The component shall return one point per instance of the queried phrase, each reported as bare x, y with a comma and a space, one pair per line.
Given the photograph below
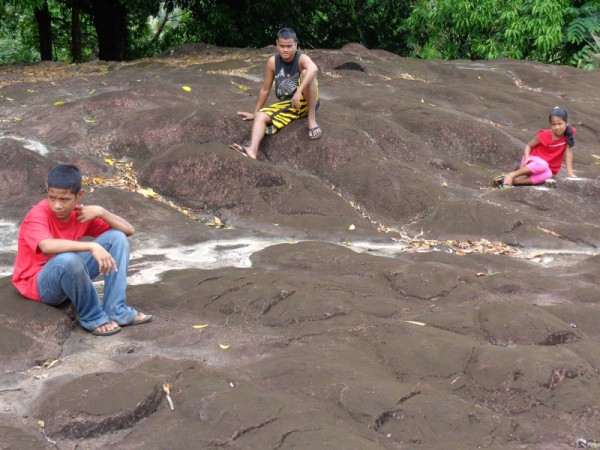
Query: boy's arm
309, 71
106, 263
569, 159
89, 212
265, 89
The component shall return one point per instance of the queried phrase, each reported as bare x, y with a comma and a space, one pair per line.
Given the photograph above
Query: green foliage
582, 34
18, 35
552, 31
588, 57
487, 29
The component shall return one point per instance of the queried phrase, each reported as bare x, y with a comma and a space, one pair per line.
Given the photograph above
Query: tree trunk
44, 23
110, 21
75, 34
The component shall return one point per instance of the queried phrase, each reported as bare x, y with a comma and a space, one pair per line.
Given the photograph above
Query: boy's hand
246, 115
106, 263
296, 100
85, 213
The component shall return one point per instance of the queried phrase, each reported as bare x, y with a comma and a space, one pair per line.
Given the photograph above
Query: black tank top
287, 76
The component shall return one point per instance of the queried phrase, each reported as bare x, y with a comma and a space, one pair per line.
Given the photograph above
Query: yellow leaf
30, 90
352, 227
41, 423
17, 118
239, 86
347, 243
551, 233
58, 103
146, 192
200, 326
186, 88
533, 255
89, 120
218, 222
50, 365
110, 162
93, 91
224, 346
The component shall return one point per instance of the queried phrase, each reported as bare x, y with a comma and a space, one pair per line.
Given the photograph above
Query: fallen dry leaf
148, 193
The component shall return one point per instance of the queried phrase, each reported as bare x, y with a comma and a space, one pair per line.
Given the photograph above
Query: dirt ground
368, 290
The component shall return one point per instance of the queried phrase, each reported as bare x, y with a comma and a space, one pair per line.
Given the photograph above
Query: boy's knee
115, 237
261, 117
71, 262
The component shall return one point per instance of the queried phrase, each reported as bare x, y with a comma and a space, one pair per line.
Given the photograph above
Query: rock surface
368, 290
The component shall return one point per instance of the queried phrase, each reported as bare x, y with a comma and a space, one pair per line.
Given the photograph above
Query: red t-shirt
40, 223
550, 150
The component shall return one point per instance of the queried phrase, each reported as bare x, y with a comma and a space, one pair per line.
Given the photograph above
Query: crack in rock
243, 431
386, 416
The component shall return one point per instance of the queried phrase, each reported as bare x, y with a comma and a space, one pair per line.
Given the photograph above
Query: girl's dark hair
557, 111
65, 176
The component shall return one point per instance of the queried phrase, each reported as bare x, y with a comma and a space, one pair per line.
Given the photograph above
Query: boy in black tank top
295, 77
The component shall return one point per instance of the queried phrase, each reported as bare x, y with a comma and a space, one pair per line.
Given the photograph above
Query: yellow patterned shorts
282, 113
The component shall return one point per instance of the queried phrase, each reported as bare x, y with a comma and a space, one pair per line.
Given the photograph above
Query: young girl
543, 155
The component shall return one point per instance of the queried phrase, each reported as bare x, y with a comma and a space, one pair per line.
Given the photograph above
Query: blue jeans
69, 276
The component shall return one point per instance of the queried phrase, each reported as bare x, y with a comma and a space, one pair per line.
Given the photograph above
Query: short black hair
287, 33
65, 176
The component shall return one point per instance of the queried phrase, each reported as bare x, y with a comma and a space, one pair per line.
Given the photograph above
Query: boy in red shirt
54, 265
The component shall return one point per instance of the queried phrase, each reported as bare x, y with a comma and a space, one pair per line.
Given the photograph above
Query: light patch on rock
30, 144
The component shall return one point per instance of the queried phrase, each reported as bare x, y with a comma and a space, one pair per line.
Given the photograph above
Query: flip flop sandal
312, 132
146, 319
238, 148
105, 333
499, 180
